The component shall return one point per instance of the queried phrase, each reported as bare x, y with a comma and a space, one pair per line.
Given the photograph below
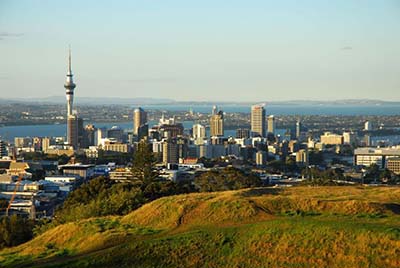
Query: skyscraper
170, 151
298, 129
72, 119
3, 148
258, 120
242, 133
214, 110
140, 127
199, 131
89, 135
217, 123
271, 124
367, 126
72, 130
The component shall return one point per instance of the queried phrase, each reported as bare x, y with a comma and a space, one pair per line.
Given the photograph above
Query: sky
208, 50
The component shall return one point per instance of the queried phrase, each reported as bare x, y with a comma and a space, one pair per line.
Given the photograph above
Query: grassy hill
263, 227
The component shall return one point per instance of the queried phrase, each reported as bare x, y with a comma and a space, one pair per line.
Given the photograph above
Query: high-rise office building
349, 138
89, 136
45, 144
171, 131
140, 126
214, 110
22, 142
258, 121
367, 126
242, 133
3, 148
298, 129
271, 124
116, 133
100, 134
37, 144
182, 147
81, 132
72, 130
170, 151
217, 123
199, 131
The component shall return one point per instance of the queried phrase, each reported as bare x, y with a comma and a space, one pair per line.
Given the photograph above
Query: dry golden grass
283, 242
251, 205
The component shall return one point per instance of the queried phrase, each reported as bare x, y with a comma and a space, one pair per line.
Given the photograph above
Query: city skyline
202, 51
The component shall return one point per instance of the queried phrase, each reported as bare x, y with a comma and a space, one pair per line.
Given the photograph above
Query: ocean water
8, 133
290, 109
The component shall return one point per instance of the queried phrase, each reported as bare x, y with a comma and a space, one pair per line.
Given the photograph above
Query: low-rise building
83, 171
261, 158
121, 175
393, 164
331, 139
302, 158
116, 147
367, 156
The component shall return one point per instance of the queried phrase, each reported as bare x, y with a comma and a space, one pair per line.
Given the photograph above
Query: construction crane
14, 194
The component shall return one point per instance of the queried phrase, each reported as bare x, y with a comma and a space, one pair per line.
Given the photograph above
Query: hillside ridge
200, 215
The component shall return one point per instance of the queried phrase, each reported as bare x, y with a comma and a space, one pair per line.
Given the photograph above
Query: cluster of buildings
178, 152
255, 144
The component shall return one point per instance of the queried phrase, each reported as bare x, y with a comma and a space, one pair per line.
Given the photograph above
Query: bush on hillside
227, 179
15, 230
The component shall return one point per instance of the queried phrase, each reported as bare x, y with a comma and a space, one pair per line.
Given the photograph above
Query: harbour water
290, 109
8, 133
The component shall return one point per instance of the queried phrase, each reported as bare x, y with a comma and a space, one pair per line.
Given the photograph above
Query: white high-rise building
349, 138
199, 131
368, 126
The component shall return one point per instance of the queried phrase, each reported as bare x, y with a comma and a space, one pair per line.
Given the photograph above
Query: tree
373, 172
316, 158
143, 166
276, 165
15, 230
100, 197
388, 177
3, 204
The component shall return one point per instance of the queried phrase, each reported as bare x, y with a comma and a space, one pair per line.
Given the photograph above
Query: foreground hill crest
246, 228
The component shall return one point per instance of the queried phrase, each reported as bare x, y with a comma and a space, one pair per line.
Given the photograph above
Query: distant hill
263, 227
92, 100
164, 101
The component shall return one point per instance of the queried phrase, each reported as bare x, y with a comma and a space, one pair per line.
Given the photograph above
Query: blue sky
202, 50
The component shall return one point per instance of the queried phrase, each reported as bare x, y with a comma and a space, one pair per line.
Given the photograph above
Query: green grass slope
263, 227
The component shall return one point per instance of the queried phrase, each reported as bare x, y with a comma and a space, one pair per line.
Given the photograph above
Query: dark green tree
3, 204
143, 166
373, 172
226, 179
15, 230
316, 158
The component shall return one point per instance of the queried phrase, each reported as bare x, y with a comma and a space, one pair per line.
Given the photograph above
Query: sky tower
69, 86
74, 123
